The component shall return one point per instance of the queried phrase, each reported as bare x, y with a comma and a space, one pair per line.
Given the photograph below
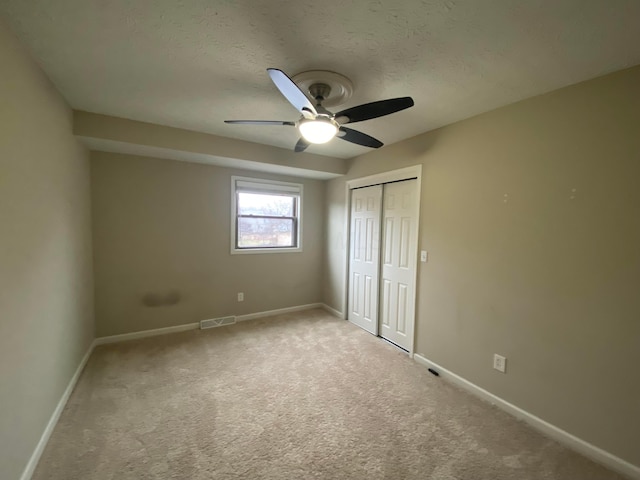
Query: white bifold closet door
398, 263
364, 257
383, 260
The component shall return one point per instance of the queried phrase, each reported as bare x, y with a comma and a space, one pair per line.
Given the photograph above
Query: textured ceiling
192, 64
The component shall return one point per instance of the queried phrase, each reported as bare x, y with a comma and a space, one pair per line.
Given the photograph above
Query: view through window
266, 220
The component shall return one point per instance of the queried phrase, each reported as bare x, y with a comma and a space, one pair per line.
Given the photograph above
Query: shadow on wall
378, 161
421, 144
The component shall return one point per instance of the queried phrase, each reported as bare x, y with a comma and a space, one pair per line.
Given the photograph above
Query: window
265, 216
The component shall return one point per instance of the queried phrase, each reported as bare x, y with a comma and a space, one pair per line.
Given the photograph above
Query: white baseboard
146, 333
585, 448
279, 311
193, 326
37, 453
333, 311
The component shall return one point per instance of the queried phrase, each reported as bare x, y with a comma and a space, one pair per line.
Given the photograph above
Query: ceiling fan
319, 125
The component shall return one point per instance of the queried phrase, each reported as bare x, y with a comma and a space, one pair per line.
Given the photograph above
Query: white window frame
259, 185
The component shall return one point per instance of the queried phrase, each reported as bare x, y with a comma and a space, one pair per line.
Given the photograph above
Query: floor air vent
217, 322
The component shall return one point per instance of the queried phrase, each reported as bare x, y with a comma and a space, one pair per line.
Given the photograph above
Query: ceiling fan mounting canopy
317, 124
339, 91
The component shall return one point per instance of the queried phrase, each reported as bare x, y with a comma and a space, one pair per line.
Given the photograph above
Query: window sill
244, 251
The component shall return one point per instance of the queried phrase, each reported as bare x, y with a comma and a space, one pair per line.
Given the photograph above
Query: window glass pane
265, 204
265, 232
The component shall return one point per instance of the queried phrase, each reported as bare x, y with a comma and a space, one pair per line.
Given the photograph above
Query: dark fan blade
301, 146
359, 138
291, 91
259, 122
375, 109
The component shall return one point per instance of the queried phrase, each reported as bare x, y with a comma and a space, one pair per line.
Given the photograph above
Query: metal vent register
217, 322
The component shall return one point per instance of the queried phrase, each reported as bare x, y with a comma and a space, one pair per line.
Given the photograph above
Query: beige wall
163, 226
551, 277
46, 311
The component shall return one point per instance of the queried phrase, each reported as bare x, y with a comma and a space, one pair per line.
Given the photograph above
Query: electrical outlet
240, 297
500, 363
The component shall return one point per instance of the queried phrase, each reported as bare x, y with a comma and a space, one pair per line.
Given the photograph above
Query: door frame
398, 175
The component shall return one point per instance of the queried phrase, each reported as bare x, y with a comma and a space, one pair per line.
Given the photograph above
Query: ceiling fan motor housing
320, 91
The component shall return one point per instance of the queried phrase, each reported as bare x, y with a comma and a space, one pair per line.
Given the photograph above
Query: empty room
331, 240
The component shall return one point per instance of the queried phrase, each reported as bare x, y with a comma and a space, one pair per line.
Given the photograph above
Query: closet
382, 259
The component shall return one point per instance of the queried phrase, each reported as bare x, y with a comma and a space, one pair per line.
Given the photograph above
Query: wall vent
217, 322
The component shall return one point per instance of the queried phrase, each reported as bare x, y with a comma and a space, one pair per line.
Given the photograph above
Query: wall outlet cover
500, 363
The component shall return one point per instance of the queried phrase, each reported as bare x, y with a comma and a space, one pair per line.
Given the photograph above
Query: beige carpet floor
298, 396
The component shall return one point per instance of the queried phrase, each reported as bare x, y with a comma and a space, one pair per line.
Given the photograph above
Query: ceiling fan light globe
318, 130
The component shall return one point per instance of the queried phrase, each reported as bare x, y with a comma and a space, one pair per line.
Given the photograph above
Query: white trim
146, 333
253, 251
400, 174
194, 326
279, 311
581, 446
42, 443
333, 311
